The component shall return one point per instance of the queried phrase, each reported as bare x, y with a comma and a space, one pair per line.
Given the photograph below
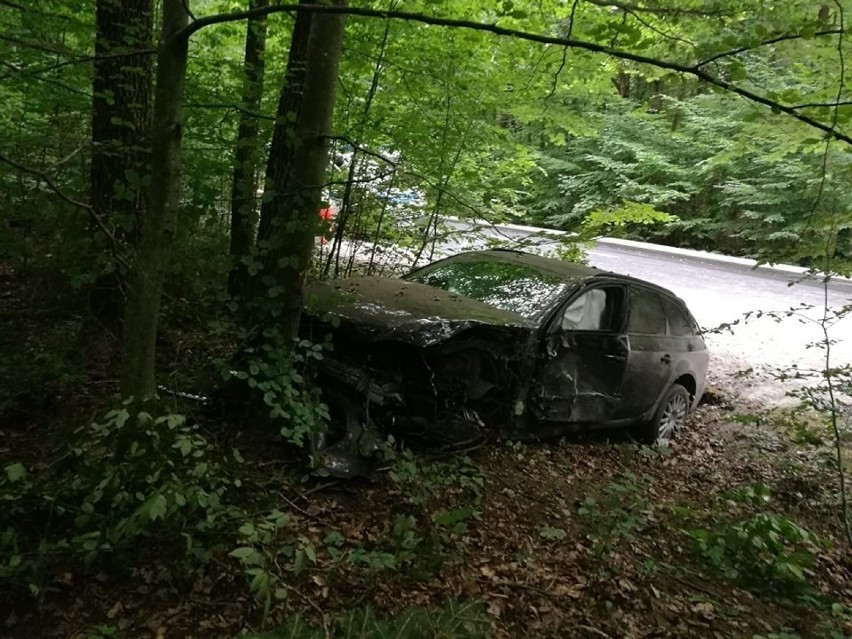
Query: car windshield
504, 285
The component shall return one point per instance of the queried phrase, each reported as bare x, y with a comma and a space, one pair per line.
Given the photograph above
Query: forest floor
732, 532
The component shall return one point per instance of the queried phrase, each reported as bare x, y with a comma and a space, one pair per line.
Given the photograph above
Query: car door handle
618, 358
666, 359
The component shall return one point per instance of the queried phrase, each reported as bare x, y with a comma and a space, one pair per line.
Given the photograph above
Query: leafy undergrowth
731, 533
451, 621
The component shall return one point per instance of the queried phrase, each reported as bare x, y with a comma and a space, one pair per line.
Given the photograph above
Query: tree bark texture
247, 152
121, 96
121, 122
284, 134
297, 178
157, 229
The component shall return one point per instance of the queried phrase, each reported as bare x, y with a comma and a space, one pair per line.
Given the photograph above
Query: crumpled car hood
383, 308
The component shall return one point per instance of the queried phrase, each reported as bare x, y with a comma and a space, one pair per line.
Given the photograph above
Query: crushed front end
444, 381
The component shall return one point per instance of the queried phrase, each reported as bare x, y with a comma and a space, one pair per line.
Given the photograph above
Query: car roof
569, 271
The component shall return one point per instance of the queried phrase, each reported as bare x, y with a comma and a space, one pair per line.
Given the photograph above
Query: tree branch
367, 180
555, 83
74, 59
40, 46
99, 221
816, 105
763, 43
61, 85
362, 149
695, 70
631, 7
85, 59
657, 30
231, 107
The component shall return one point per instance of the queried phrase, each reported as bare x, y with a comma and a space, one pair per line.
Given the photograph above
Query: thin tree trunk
378, 230
157, 229
343, 216
246, 155
834, 408
342, 220
292, 210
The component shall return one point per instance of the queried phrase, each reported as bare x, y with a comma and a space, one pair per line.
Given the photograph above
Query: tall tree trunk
121, 97
157, 229
290, 102
296, 179
243, 198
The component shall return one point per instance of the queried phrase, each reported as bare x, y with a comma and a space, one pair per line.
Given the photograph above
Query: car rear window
646, 312
679, 323
504, 285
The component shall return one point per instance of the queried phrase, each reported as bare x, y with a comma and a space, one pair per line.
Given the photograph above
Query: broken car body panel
498, 341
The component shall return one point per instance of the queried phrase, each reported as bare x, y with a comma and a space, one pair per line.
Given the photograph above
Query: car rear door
691, 356
651, 353
585, 355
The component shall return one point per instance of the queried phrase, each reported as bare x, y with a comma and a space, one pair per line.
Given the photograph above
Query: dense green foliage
732, 184
481, 125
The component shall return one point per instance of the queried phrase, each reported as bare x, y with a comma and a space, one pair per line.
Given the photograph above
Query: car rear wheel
670, 416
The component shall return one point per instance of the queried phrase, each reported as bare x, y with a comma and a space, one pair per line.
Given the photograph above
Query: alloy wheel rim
672, 417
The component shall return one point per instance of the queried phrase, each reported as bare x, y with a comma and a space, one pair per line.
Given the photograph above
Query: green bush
766, 550
123, 478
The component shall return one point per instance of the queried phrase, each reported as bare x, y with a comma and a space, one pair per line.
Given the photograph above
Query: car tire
669, 417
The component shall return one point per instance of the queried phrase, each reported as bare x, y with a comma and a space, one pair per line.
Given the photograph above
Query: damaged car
502, 342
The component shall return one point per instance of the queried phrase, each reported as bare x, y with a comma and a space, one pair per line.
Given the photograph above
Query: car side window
646, 312
598, 309
679, 323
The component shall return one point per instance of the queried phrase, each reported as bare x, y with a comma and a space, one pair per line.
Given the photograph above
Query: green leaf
551, 533
260, 583
121, 417
300, 561
334, 538
184, 445
15, 472
454, 516
158, 508
246, 554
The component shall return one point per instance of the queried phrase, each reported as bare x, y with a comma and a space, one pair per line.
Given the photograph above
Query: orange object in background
326, 215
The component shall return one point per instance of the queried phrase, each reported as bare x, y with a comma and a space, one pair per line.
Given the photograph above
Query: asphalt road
718, 289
